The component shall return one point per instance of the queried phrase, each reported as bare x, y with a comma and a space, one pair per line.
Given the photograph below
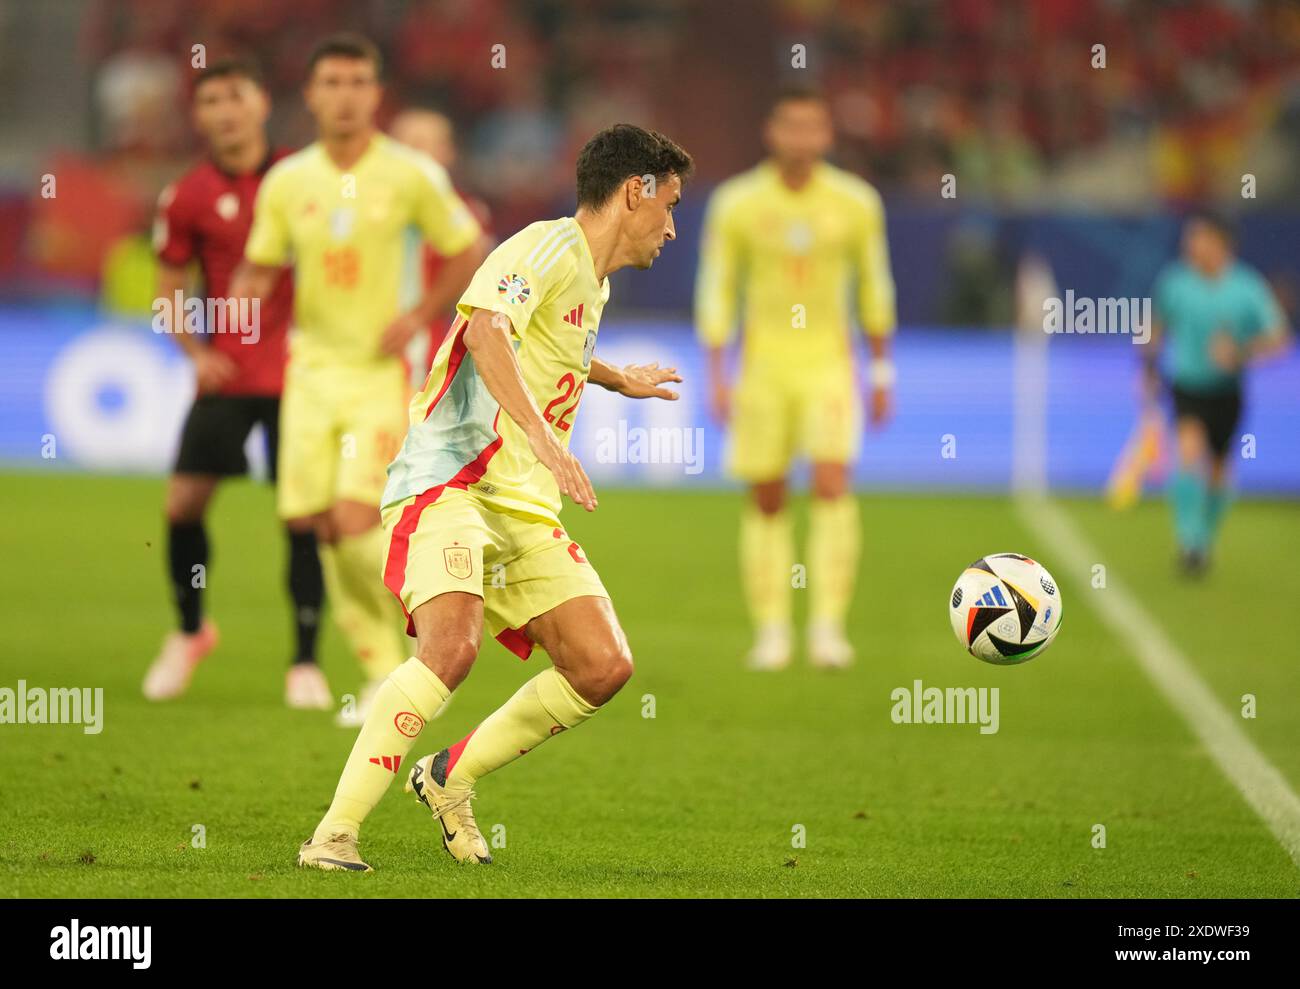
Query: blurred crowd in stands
1011, 97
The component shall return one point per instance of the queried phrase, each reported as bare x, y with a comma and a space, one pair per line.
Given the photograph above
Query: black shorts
217, 428
1218, 411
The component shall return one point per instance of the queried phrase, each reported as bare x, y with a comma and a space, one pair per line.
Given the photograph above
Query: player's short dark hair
796, 92
1222, 224
620, 152
229, 67
346, 44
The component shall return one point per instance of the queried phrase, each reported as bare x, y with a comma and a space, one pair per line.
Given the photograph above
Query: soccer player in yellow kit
788, 237
337, 211
473, 500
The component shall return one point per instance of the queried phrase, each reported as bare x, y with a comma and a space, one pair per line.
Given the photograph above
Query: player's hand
563, 465
643, 381
213, 369
720, 402
1225, 352
880, 406
399, 334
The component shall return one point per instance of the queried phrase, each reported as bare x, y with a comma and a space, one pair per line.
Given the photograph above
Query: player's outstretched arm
487, 338
635, 380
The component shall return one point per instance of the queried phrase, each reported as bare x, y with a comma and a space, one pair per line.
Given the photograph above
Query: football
1005, 608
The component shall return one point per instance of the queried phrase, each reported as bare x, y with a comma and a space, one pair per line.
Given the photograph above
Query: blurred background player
432, 134
205, 216
1219, 315
788, 236
338, 211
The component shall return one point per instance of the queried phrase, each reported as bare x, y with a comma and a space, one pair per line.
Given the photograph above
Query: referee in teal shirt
1214, 315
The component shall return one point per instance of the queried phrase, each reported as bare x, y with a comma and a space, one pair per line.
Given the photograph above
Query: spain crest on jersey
514, 288
459, 563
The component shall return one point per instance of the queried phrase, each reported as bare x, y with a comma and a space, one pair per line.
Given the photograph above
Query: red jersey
206, 214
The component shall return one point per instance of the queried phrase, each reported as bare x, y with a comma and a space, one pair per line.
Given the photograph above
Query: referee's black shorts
217, 428
1218, 411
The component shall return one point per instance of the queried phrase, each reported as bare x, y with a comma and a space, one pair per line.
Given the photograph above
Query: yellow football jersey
792, 256
344, 234
543, 279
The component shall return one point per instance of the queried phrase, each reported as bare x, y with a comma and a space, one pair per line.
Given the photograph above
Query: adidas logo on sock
390, 762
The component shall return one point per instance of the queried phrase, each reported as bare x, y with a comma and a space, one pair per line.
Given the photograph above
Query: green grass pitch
704, 798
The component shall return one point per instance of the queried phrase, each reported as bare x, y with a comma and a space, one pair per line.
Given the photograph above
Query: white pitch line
1260, 782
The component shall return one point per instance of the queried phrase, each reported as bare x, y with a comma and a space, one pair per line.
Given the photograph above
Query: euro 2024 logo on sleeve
514, 287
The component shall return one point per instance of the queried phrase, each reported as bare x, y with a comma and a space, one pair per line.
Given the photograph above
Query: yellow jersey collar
591, 259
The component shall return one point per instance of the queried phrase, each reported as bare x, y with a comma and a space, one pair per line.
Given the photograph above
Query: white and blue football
1005, 608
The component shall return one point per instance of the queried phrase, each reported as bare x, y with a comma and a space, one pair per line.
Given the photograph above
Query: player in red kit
205, 217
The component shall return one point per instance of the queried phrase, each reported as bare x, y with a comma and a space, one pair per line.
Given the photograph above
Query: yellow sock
410, 696
833, 546
766, 564
363, 607
546, 705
